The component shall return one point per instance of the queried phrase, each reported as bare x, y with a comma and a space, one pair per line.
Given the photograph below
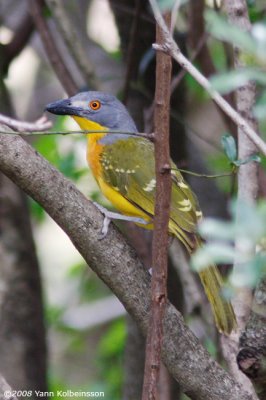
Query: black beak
63, 107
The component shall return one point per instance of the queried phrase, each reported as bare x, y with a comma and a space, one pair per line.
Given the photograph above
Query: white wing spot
199, 214
182, 185
150, 186
186, 203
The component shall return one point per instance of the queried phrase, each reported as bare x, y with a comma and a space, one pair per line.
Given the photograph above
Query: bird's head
95, 110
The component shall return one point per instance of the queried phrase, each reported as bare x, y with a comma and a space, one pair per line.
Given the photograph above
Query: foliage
247, 230
230, 149
111, 350
253, 47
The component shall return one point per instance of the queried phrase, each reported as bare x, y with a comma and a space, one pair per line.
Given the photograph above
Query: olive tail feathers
222, 309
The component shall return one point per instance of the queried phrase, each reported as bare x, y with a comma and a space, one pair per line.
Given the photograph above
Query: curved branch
118, 266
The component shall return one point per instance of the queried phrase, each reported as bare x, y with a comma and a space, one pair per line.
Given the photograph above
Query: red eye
95, 105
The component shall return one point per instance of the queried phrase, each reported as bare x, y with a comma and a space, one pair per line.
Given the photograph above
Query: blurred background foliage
86, 335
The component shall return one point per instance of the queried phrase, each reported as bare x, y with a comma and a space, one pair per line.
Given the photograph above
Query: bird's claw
109, 215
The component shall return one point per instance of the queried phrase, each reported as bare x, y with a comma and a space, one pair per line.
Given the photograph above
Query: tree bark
22, 337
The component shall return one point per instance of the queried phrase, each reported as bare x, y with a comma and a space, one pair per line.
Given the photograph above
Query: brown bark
161, 220
251, 357
22, 333
22, 339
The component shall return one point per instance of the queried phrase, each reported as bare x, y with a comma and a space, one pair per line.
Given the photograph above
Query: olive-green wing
129, 167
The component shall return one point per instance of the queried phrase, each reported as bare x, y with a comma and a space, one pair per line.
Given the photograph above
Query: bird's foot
109, 215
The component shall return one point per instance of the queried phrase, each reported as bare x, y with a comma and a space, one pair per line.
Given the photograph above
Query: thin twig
63, 74
161, 220
20, 126
171, 47
223, 175
15, 124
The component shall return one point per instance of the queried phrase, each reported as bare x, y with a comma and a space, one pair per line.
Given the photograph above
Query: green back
129, 167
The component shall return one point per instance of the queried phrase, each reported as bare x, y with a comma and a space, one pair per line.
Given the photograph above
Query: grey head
102, 108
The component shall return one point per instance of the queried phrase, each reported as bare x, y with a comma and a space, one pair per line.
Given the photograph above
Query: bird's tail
222, 309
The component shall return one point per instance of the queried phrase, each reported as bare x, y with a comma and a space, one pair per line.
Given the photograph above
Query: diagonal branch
63, 74
172, 48
118, 266
73, 43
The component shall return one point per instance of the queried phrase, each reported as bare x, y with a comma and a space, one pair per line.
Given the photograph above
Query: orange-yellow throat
94, 148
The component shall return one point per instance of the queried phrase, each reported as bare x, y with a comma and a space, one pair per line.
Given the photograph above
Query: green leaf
212, 253
260, 108
254, 157
229, 146
248, 273
166, 5
231, 80
211, 228
220, 28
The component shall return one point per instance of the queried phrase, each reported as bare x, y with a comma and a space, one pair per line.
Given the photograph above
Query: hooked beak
63, 107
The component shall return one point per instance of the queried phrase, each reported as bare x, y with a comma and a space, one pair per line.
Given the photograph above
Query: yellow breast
94, 148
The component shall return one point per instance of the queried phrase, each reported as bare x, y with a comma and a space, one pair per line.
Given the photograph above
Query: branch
40, 125
118, 266
171, 47
247, 182
63, 74
73, 42
161, 220
251, 358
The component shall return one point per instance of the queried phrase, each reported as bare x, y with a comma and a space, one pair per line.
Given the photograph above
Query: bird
123, 165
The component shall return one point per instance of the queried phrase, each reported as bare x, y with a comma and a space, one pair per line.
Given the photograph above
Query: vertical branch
245, 96
160, 235
247, 177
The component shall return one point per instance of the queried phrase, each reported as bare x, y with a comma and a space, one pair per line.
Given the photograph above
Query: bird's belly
122, 204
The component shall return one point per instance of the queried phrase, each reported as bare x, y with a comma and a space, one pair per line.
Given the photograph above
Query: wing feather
129, 167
